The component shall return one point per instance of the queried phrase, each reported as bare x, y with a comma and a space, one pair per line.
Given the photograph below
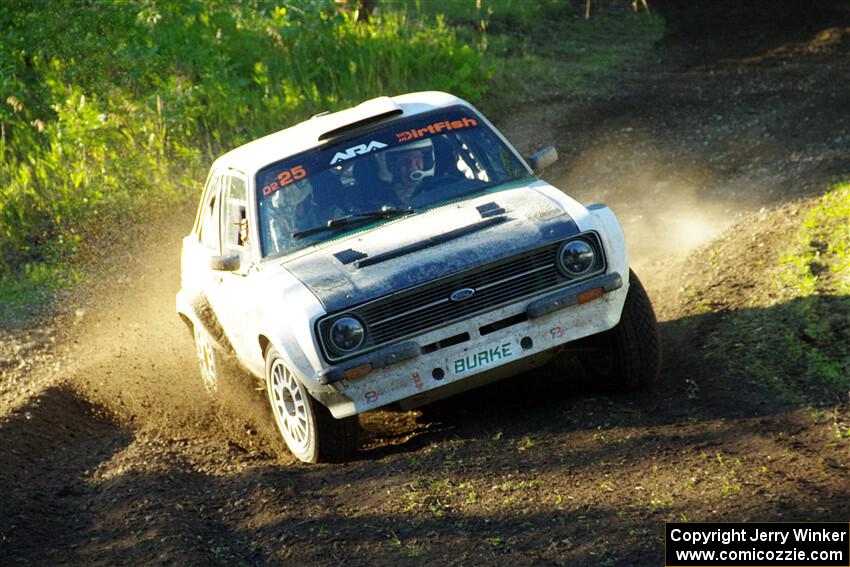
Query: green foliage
820, 256
110, 108
796, 338
546, 49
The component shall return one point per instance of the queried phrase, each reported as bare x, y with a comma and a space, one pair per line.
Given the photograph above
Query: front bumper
469, 353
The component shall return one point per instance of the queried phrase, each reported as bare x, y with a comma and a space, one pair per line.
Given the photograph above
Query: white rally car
399, 252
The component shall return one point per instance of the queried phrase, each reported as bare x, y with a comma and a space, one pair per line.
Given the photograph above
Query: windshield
407, 165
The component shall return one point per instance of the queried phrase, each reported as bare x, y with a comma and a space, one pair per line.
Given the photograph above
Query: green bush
111, 107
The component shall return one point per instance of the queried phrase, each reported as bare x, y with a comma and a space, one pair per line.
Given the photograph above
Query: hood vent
349, 256
490, 209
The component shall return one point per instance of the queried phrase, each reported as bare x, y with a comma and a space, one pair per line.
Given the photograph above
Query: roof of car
305, 135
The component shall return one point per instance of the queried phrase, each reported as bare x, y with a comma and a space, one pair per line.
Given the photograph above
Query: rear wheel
309, 430
208, 359
627, 356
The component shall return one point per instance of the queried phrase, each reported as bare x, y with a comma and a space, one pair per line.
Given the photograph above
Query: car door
230, 296
203, 243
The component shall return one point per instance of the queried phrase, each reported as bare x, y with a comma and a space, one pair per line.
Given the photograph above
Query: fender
288, 315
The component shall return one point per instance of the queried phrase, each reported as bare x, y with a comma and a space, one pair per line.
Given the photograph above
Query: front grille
492, 288
427, 306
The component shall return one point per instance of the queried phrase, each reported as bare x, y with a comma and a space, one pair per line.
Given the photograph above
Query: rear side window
209, 215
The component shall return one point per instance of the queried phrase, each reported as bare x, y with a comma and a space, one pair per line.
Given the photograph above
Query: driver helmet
410, 163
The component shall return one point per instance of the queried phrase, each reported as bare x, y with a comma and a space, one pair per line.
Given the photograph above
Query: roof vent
362, 115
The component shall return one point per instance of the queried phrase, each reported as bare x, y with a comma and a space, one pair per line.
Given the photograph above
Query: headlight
346, 334
577, 257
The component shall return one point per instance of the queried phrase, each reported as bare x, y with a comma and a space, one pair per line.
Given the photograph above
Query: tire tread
636, 339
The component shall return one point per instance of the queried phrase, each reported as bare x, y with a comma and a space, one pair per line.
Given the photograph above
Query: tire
628, 356
209, 359
307, 427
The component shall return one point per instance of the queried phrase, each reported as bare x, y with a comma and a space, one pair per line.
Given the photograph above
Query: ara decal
357, 150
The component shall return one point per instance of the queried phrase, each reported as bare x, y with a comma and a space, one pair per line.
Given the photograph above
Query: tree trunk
364, 10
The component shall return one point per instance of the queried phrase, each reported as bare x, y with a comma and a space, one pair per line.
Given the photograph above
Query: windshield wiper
354, 218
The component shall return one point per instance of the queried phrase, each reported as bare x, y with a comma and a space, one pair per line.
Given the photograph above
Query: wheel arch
264, 343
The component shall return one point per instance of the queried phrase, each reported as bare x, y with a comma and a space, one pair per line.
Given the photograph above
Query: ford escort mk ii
399, 252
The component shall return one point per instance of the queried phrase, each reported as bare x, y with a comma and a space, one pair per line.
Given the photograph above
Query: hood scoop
490, 209
349, 256
432, 241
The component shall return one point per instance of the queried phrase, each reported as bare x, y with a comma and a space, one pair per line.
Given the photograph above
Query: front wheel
309, 430
627, 356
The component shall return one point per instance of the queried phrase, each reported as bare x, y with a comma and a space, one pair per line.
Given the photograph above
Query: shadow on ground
527, 471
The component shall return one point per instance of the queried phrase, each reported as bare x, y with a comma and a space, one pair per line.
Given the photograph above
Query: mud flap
206, 316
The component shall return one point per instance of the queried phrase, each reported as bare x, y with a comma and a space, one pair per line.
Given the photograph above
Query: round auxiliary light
576, 257
346, 334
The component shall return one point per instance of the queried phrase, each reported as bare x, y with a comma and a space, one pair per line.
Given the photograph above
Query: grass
438, 496
28, 296
546, 50
795, 338
163, 87
820, 256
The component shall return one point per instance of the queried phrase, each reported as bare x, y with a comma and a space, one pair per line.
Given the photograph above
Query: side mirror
228, 263
542, 159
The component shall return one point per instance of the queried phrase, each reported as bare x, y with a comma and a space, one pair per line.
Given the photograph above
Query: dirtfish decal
436, 128
357, 150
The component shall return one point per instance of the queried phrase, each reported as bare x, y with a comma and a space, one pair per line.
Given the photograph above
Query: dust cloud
129, 352
667, 210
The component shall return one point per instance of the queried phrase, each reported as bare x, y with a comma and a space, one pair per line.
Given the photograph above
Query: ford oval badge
462, 294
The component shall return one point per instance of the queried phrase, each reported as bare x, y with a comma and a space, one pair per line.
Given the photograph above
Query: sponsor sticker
482, 358
284, 178
372, 396
417, 381
357, 150
436, 128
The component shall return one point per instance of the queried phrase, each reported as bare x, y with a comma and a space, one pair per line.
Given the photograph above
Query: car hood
417, 249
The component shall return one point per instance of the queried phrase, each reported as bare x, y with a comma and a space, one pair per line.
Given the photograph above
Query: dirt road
114, 455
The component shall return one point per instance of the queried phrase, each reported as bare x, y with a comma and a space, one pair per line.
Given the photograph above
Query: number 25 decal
284, 178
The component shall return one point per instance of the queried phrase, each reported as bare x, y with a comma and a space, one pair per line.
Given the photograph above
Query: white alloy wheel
205, 350
293, 411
